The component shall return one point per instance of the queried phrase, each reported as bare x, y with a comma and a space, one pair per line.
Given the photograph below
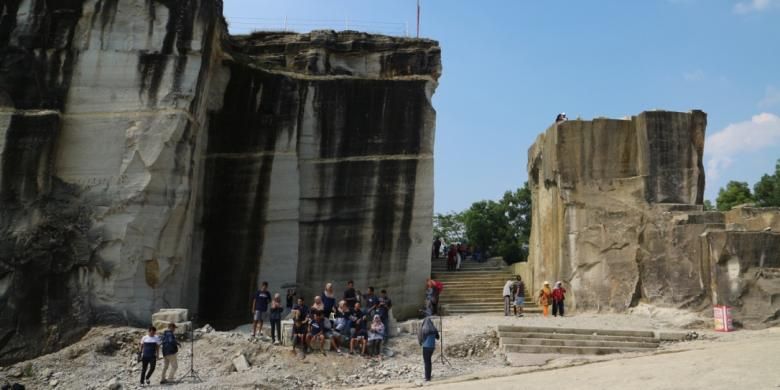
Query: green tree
708, 205
501, 228
735, 193
767, 190
449, 227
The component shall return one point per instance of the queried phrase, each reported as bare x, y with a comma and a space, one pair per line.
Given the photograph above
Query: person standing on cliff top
260, 308
558, 295
561, 118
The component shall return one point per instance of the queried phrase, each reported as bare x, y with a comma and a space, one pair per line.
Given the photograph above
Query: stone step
566, 336
577, 331
578, 343
470, 308
569, 350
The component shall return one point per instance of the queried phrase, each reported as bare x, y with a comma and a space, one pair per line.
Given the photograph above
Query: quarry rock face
149, 160
618, 217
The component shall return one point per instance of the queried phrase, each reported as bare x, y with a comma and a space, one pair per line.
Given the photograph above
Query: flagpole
418, 18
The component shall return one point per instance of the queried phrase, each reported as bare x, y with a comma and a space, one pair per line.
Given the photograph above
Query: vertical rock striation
617, 215
150, 160
325, 142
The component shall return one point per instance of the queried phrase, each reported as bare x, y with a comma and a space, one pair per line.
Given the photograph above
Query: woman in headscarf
545, 295
317, 305
376, 334
328, 300
427, 336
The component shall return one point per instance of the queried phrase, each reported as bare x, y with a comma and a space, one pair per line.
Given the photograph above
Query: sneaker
148, 382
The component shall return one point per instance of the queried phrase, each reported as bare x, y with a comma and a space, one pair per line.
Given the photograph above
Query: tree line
497, 228
766, 192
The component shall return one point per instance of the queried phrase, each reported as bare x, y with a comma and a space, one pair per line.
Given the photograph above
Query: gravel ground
105, 356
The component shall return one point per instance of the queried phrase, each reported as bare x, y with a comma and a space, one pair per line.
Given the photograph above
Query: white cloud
771, 98
744, 7
696, 75
760, 132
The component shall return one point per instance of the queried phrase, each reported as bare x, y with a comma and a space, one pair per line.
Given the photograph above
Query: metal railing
246, 25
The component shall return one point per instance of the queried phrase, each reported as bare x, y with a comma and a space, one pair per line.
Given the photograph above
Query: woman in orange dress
545, 296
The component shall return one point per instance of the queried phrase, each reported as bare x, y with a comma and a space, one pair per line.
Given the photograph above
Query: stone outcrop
618, 216
150, 160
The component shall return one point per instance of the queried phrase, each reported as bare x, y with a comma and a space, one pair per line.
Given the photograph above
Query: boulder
240, 363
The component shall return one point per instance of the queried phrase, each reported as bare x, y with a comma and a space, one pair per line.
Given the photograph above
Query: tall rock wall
148, 160
617, 217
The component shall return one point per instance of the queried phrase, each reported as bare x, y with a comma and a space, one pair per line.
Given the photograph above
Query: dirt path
743, 360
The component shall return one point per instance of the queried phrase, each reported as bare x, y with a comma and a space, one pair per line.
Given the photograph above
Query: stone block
171, 315
240, 363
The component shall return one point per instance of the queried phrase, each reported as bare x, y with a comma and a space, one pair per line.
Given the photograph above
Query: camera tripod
442, 358
192, 374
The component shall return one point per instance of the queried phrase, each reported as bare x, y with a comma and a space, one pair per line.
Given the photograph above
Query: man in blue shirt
260, 307
427, 336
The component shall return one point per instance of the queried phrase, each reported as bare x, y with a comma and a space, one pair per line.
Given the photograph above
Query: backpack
169, 344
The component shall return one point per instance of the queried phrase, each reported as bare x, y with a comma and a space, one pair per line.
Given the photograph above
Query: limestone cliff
148, 159
617, 216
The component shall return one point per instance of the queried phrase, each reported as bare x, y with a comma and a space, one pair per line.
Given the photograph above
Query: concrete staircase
476, 288
524, 339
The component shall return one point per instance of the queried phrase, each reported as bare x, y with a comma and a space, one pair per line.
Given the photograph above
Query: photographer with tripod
427, 336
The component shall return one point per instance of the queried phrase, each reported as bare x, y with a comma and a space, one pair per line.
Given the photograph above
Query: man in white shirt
149, 350
508, 296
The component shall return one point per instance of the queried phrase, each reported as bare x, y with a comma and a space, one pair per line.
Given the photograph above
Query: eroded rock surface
617, 215
150, 160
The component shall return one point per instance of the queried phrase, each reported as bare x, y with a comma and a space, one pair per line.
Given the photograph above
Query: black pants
427, 353
149, 363
557, 308
276, 330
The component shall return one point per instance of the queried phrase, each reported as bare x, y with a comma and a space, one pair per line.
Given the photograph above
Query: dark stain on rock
26, 159
37, 70
242, 138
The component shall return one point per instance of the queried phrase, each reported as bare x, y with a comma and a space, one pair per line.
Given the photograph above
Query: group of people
150, 348
514, 292
455, 253
556, 296
359, 321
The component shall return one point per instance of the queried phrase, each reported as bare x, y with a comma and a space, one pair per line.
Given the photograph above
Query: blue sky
511, 66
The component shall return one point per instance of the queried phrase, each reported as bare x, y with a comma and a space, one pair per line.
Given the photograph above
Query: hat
546, 282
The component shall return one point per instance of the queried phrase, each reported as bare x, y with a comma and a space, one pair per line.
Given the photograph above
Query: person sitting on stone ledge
342, 326
317, 305
302, 309
359, 334
375, 336
383, 309
299, 333
316, 331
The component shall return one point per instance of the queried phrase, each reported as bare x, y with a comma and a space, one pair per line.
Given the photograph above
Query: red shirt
558, 294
